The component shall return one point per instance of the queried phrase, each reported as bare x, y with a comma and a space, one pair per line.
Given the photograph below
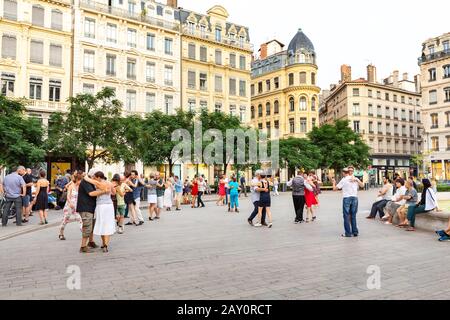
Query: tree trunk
90, 163
170, 167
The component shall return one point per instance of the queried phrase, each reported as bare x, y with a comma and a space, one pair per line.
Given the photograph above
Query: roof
300, 42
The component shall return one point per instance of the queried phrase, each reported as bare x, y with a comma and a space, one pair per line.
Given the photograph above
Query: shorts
152, 199
26, 200
88, 224
121, 210
160, 202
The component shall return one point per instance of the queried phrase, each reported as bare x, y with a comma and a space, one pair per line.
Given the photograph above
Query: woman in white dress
105, 223
168, 192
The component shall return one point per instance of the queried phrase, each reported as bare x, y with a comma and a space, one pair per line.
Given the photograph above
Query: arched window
268, 109
252, 112
260, 111
313, 104
291, 79
313, 79
302, 58
276, 107
302, 77
291, 104
302, 104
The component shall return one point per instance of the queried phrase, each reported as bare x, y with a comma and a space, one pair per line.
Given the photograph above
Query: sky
386, 33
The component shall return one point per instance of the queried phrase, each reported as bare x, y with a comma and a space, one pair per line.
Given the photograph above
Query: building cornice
215, 43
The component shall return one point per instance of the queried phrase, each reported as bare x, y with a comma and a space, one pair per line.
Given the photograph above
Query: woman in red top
222, 192
310, 199
194, 191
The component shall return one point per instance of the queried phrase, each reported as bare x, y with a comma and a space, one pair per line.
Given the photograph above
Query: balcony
223, 39
434, 56
136, 16
50, 106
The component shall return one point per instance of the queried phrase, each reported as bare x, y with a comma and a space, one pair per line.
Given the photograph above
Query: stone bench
431, 221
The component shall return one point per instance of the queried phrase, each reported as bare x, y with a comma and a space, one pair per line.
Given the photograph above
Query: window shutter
38, 16
191, 79
9, 46
57, 19
203, 54
56, 55
10, 9
37, 52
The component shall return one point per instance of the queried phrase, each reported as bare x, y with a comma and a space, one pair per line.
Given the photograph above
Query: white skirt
105, 223
168, 198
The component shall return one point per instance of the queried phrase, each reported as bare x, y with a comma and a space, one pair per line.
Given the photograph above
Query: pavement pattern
212, 254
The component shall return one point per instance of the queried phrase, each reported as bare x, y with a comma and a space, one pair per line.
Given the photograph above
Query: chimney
395, 79
405, 76
417, 79
172, 3
263, 51
371, 73
346, 73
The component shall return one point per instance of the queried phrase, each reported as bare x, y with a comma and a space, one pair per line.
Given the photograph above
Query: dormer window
218, 33
191, 27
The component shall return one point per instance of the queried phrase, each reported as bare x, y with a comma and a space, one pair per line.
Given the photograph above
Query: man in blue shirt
178, 193
15, 188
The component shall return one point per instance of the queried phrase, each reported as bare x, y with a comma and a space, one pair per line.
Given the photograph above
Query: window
89, 28
356, 109
448, 142
370, 127
268, 109
7, 81
369, 93
379, 112
291, 126
302, 104
404, 131
276, 126
433, 96
203, 105
446, 71
111, 33
232, 89
242, 113
35, 88
378, 94
191, 79
168, 75
403, 99
168, 46
276, 82
446, 45
302, 77
131, 69
110, 65
131, 7
380, 128
232, 110
396, 129
218, 107
242, 88
10, 9
131, 38
313, 122
203, 31
88, 88
57, 20
242, 63
431, 49
150, 102
313, 78
395, 98
9, 46
291, 79
218, 83
418, 116
252, 89
386, 96
370, 110
131, 100
447, 94
203, 82
241, 41
291, 104
435, 143
432, 74
203, 54
395, 113
218, 57
191, 27
191, 51
150, 42
37, 51
232, 60
303, 125
260, 87
388, 113
434, 121
54, 90
55, 55
411, 116
252, 112
356, 126
37, 18
191, 105
276, 107
218, 34
260, 110
403, 114
150, 72
159, 10
355, 92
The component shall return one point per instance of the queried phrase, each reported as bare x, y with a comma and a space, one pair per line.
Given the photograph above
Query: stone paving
211, 254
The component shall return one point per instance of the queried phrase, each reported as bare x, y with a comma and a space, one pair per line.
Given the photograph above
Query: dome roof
300, 42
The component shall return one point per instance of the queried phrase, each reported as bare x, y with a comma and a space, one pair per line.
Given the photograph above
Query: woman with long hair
428, 202
194, 191
71, 205
105, 223
310, 198
130, 202
222, 192
264, 201
168, 195
42, 187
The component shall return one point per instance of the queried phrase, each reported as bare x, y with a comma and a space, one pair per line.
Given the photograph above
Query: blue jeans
350, 208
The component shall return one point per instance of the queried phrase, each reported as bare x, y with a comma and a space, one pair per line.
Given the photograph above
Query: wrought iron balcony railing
434, 56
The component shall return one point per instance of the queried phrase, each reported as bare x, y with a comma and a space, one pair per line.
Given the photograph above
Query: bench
431, 221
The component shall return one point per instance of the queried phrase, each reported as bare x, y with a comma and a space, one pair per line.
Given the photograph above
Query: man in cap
86, 203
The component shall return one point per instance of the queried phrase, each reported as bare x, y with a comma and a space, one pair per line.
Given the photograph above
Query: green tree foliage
92, 130
299, 153
20, 136
340, 146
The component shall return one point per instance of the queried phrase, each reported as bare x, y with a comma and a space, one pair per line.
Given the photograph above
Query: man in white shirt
349, 186
396, 202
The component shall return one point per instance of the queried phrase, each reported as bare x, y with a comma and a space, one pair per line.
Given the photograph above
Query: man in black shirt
86, 203
26, 200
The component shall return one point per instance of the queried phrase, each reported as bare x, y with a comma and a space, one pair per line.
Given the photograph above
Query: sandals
61, 237
411, 229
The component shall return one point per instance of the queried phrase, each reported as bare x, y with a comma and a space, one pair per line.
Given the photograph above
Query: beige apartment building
435, 69
35, 62
387, 115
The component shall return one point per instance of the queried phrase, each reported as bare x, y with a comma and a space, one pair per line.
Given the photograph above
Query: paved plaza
211, 254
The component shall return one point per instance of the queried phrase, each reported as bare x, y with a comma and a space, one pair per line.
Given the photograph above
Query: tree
340, 146
92, 130
21, 136
155, 138
299, 153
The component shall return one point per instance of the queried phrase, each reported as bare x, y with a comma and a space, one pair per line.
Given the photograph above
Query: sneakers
258, 225
445, 238
120, 231
296, 221
269, 225
441, 233
92, 245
